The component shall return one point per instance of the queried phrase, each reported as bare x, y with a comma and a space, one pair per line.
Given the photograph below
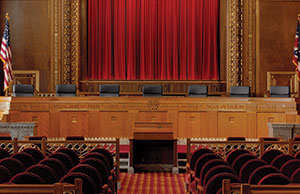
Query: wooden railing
57, 188
228, 188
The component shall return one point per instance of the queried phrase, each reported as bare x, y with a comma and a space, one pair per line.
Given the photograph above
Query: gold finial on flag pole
7, 16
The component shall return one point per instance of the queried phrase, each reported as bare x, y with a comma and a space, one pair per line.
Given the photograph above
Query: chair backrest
88, 185
249, 167
99, 165
234, 154
65, 90
25, 158
4, 153
240, 91
45, 172
106, 153
197, 154
13, 165
202, 161
27, 178
197, 91
35, 153
218, 170
290, 167
215, 183
109, 90
71, 153
280, 91
99, 156
281, 159
241, 160
67, 160
261, 172
56, 165
5, 174
91, 172
152, 91
209, 165
274, 179
24, 90
269, 155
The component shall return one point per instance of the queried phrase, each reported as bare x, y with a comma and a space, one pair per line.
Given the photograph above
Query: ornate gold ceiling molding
240, 43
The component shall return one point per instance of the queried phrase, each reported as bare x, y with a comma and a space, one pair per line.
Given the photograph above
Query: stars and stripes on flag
5, 55
296, 57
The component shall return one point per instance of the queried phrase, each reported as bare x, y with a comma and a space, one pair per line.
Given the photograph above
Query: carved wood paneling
185, 117
283, 78
276, 22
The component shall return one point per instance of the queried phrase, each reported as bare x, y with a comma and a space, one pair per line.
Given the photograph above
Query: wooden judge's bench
124, 116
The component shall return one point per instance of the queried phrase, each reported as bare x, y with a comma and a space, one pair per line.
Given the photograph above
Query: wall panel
275, 30
31, 36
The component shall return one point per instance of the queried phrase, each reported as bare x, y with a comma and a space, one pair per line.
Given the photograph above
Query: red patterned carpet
152, 183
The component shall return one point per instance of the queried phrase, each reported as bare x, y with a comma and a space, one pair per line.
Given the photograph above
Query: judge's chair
24, 90
240, 91
65, 90
152, 91
280, 91
109, 90
197, 91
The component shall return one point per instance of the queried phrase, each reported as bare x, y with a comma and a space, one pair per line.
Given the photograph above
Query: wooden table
122, 116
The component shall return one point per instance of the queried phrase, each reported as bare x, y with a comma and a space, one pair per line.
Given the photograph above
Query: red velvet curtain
153, 39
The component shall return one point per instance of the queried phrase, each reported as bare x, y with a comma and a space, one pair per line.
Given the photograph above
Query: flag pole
7, 16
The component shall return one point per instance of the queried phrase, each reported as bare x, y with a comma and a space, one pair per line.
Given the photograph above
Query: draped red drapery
153, 40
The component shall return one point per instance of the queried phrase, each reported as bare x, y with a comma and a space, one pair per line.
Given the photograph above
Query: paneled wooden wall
31, 36
275, 36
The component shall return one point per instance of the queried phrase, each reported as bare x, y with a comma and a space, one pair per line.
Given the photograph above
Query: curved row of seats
273, 167
29, 166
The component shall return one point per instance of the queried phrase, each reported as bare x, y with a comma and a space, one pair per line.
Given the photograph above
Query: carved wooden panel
153, 116
113, 124
232, 124
283, 78
192, 124
73, 123
264, 118
41, 118
27, 77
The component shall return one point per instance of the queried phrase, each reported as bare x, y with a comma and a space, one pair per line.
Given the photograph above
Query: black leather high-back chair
280, 91
64, 90
197, 91
152, 91
25, 90
109, 90
240, 91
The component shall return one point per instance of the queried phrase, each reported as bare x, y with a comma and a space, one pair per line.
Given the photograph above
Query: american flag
296, 57
5, 55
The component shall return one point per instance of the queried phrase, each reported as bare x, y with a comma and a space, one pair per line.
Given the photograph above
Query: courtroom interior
149, 96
